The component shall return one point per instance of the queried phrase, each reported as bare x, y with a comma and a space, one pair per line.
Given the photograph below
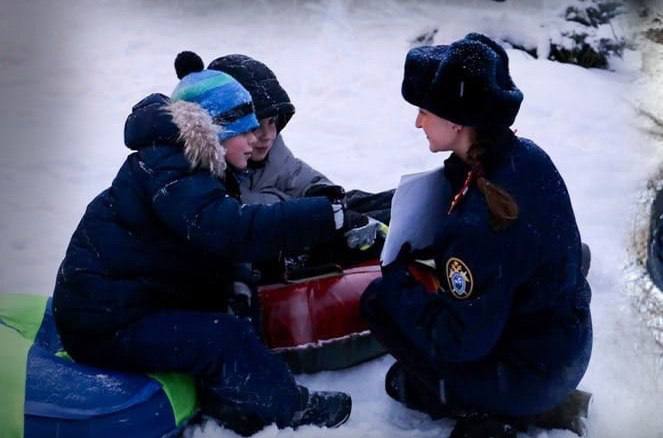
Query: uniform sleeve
478, 273
196, 208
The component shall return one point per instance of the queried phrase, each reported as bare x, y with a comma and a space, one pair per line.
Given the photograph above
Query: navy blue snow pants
375, 205
230, 363
493, 385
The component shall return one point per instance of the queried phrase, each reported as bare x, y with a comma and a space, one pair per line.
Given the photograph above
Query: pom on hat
187, 62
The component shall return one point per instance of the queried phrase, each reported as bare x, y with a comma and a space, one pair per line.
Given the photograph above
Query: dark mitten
399, 265
239, 303
352, 220
335, 194
242, 301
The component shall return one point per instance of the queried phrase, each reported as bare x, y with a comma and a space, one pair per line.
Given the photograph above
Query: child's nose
251, 138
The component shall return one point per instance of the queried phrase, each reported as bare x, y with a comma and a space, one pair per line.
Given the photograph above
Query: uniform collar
455, 169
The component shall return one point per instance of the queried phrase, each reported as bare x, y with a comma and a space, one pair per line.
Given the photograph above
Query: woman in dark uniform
507, 335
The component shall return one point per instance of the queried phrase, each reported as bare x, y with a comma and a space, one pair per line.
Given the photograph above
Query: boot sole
344, 419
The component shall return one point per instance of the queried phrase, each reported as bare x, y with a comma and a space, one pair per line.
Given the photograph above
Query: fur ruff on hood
200, 135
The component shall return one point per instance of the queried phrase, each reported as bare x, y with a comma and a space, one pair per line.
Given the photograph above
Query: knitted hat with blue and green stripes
218, 93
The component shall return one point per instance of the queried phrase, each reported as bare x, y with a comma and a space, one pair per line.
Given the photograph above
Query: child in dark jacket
147, 274
274, 174
508, 333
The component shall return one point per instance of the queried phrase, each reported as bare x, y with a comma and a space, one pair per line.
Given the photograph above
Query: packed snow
72, 70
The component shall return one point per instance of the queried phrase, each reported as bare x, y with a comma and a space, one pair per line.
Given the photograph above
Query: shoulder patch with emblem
459, 278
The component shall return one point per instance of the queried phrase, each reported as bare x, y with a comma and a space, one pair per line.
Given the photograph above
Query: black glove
401, 262
352, 220
243, 299
335, 194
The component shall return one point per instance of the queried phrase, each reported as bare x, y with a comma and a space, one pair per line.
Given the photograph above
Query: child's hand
239, 303
364, 236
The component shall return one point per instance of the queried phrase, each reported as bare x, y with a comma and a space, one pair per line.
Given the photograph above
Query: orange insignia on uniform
459, 278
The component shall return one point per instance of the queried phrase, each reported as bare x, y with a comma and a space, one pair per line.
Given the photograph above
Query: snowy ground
70, 74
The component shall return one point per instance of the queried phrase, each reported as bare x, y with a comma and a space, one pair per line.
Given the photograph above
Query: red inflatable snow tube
315, 324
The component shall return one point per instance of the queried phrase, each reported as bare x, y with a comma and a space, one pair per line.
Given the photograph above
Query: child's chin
259, 156
241, 165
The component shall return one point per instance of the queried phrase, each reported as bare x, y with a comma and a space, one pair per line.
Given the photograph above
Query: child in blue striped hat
147, 279
218, 105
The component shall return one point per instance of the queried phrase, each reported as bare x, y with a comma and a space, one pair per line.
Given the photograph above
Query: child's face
265, 134
239, 148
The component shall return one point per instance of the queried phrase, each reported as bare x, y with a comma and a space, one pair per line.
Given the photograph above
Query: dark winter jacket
513, 311
166, 233
278, 177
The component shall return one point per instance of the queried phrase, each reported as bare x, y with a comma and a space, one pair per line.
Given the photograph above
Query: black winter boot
586, 260
413, 393
571, 414
232, 418
323, 409
483, 426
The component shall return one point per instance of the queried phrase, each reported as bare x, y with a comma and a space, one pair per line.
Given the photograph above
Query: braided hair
501, 205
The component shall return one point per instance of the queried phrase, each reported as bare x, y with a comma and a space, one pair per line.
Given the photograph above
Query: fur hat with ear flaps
208, 107
467, 82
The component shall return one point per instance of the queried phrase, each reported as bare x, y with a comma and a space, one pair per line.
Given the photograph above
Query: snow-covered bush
587, 33
586, 36
654, 25
646, 295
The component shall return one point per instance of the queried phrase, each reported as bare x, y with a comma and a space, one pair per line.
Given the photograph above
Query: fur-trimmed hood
200, 137
156, 120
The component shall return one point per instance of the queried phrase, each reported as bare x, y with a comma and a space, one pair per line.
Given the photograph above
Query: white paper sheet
415, 209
